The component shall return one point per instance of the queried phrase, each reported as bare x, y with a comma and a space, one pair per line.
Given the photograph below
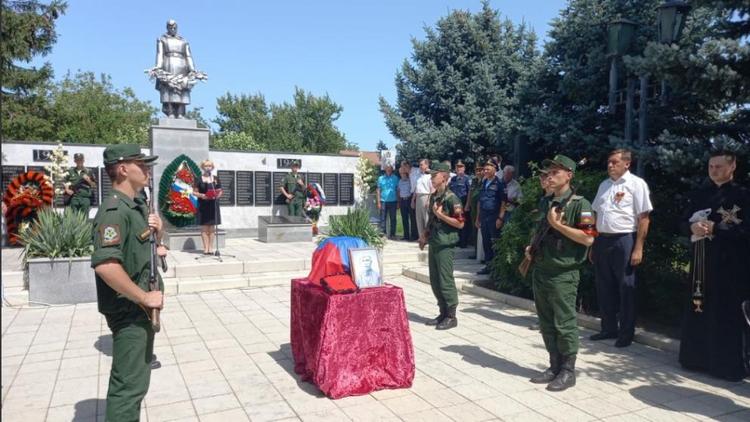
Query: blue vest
460, 186
491, 195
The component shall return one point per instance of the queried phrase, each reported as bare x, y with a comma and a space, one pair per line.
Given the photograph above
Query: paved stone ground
226, 357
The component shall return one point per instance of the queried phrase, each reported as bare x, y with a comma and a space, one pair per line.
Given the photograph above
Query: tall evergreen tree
459, 95
27, 30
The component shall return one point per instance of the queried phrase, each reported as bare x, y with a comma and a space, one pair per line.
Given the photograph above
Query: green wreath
177, 219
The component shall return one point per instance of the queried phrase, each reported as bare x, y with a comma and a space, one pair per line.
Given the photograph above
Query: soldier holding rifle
123, 262
558, 250
78, 184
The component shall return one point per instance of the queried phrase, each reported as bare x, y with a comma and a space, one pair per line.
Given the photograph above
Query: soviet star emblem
729, 216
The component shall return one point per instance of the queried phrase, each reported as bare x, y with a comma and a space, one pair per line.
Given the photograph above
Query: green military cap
440, 167
126, 152
77, 156
560, 161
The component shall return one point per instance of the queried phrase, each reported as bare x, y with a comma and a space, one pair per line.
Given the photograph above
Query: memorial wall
250, 180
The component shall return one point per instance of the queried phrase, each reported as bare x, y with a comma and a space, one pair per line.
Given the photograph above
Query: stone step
17, 298
12, 279
230, 266
464, 272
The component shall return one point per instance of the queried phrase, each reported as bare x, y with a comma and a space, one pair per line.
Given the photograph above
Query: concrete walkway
226, 357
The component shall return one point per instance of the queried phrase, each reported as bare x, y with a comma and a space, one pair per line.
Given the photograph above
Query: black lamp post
620, 39
670, 22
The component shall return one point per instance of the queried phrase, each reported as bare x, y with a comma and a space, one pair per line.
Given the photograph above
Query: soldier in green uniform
293, 187
555, 271
445, 220
78, 183
121, 258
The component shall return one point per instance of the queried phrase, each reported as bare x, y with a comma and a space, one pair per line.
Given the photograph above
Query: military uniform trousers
555, 298
132, 351
440, 260
490, 232
296, 205
81, 204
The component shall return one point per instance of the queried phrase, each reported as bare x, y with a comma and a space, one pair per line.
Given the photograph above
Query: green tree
306, 125
27, 30
240, 141
381, 146
459, 95
90, 110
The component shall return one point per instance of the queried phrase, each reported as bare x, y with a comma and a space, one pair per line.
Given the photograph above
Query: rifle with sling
153, 282
540, 235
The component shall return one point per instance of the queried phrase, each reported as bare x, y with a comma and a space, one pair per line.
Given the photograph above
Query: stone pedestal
189, 239
273, 229
174, 137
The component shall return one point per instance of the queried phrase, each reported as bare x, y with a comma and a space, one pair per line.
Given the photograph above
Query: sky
348, 49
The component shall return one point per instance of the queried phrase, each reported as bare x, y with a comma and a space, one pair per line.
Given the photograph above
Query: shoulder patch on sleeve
110, 234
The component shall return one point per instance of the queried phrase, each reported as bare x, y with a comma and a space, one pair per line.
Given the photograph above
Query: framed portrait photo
367, 270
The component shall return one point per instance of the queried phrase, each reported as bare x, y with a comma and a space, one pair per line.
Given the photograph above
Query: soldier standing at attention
293, 187
78, 184
460, 185
555, 271
121, 259
445, 220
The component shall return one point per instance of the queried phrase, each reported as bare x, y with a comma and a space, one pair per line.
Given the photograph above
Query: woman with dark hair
208, 192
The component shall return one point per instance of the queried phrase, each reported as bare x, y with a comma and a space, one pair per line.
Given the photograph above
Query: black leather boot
449, 321
550, 373
435, 321
567, 376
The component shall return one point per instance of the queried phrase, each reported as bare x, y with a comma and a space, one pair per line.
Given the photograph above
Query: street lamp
620, 39
671, 21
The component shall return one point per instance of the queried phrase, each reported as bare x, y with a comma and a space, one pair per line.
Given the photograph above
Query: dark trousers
487, 220
413, 220
388, 211
615, 283
464, 236
405, 206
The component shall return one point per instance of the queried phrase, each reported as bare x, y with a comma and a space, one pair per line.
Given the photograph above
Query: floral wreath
179, 205
26, 194
314, 202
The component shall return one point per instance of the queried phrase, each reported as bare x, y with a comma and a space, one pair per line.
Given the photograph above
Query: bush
356, 223
661, 277
57, 235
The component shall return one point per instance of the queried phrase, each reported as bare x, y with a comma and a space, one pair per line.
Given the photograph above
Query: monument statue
174, 72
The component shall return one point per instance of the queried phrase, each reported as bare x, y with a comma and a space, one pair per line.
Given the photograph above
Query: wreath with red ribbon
179, 204
26, 194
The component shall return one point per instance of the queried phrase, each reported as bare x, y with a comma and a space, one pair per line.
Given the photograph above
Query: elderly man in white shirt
421, 198
622, 207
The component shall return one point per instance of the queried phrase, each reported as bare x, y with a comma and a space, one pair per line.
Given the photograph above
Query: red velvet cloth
351, 344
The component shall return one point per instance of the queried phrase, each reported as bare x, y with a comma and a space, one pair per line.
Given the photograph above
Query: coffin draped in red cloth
351, 344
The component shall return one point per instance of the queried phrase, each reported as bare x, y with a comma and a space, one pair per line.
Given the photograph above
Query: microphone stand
216, 254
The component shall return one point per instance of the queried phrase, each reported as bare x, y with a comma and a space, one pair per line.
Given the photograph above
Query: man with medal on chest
714, 332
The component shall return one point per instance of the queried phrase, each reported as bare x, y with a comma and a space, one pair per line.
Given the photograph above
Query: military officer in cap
445, 220
460, 184
293, 188
489, 219
555, 270
78, 183
121, 258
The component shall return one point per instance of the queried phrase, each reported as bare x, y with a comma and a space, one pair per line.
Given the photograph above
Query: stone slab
61, 281
189, 240
282, 229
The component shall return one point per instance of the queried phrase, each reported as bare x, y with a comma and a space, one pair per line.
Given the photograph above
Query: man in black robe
713, 337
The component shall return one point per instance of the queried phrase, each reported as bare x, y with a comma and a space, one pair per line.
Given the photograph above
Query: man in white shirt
622, 208
421, 197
